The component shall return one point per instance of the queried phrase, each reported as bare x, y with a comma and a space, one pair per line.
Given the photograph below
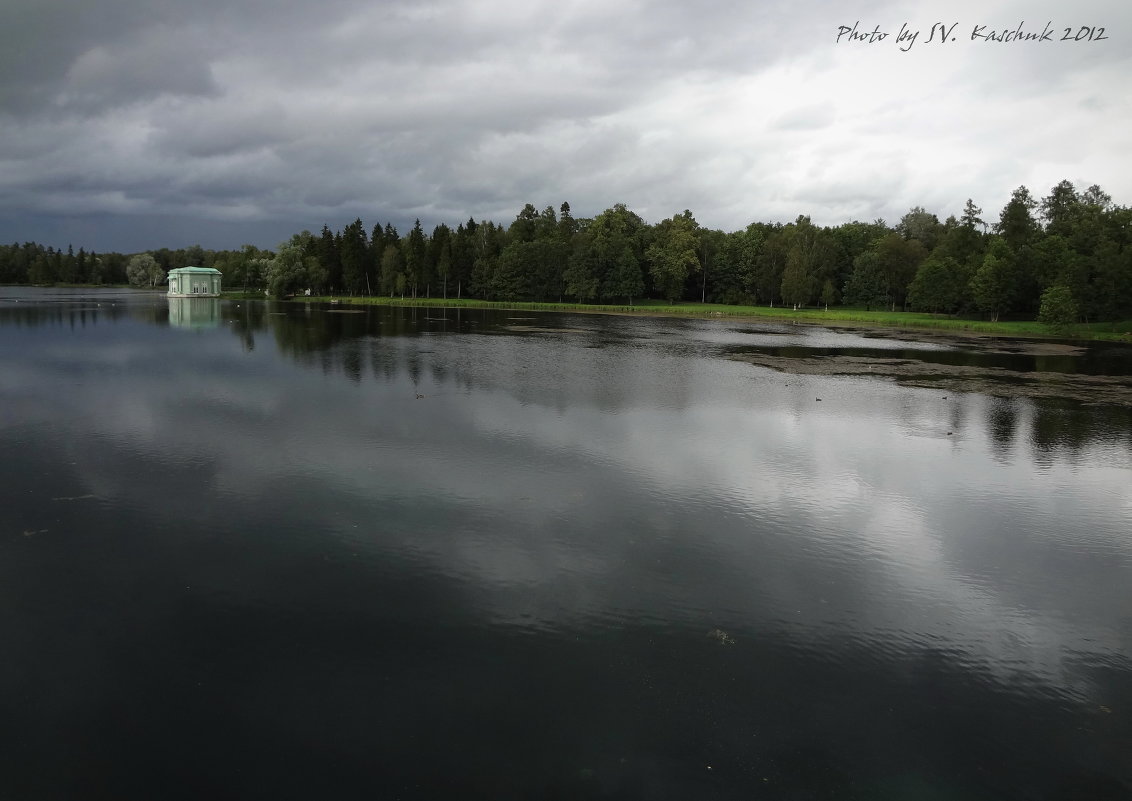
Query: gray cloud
813, 117
260, 112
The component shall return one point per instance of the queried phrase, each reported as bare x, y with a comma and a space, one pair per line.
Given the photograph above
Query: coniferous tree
376, 251
416, 269
524, 227
329, 258
392, 269
1060, 209
1017, 225
463, 255
353, 253
440, 255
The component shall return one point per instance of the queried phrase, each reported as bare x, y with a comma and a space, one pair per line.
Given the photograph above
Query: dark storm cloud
258, 112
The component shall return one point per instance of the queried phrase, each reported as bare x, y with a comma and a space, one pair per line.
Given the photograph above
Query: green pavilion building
194, 282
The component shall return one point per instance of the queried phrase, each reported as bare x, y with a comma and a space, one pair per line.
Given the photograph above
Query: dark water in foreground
240, 557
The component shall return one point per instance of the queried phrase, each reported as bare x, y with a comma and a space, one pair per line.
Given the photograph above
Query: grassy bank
1121, 331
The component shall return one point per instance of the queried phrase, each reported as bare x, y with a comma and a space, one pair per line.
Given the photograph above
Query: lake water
253, 550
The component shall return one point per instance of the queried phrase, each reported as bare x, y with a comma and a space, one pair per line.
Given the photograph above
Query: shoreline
913, 322
1114, 390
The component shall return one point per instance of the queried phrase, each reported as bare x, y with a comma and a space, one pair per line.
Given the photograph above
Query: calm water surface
261, 551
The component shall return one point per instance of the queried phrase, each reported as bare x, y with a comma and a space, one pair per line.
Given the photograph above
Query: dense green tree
1017, 225
546, 226
354, 257
531, 266
416, 263
1052, 262
440, 255
143, 270
898, 259
672, 257
235, 265
376, 250
867, 285
965, 243
114, 265
82, 268
854, 238
712, 243
328, 256
1058, 311
828, 293
487, 245
745, 258
995, 284
195, 256
546, 261
42, 272
921, 225
289, 272
797, 283
524, 227
733, 275
971, 218
770, 264
811, 260
1060, 209
583, 276
68, 268
567, 225
392, 269
605, 262
939, 285
463, 255
508, 277
615, 238
625, 279
1097, 197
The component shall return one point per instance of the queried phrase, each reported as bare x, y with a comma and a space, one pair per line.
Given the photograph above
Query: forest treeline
1064, 258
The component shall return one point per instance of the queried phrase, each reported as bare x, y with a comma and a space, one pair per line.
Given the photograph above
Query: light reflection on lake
479, 553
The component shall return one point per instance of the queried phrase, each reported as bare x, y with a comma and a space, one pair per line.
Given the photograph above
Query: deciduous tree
143, 270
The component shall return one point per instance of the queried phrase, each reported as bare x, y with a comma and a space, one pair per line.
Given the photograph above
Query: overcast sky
135, 124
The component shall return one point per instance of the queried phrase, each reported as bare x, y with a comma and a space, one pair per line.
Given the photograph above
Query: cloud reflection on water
634, 480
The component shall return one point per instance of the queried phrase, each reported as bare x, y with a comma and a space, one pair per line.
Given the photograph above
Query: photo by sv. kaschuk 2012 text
944, 33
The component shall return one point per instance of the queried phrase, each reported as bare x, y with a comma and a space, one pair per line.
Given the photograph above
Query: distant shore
838, 316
